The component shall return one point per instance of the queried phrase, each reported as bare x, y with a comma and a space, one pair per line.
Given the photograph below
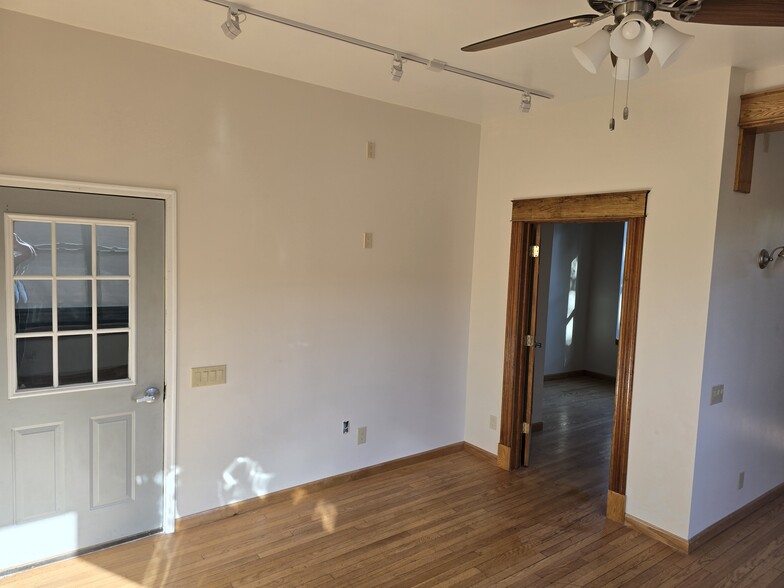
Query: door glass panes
112, 304
34, 363
112, 356
75, 359
112, 250
32, 248
74, 250
33, 305
73, 306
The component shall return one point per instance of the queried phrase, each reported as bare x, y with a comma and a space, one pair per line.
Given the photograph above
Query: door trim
527, 215
169, 198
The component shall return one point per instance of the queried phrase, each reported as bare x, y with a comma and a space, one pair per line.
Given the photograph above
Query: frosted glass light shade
667, 43
632, 37
638, 68
592, 52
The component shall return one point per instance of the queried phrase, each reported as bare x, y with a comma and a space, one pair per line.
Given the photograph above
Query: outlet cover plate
717, 394
361, 435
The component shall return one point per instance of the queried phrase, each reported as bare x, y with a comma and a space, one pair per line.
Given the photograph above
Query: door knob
150, 395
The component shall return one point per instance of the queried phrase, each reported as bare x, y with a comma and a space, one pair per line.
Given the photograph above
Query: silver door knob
150, 395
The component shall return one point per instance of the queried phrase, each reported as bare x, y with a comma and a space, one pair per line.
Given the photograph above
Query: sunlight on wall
243, 479
571, 303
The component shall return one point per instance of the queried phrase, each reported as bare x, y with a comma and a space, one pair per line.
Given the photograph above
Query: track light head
231, 28
525, 103
397, 68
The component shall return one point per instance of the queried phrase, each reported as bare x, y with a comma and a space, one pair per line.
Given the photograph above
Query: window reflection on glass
112, 356
112, 250
33, 307
74, 305
112, 304
32, 248
34, 363
571, 304
74, 249
75, 359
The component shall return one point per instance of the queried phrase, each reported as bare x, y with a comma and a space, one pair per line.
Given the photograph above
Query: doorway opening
529, 217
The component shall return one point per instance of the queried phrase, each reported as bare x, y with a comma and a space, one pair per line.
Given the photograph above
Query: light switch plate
210, 375
717, 394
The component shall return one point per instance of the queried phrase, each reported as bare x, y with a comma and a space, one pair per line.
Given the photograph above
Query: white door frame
170, 321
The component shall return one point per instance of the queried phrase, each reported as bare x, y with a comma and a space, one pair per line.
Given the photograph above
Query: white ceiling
430, 28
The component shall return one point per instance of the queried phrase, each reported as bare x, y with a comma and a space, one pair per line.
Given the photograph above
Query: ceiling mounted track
432, 64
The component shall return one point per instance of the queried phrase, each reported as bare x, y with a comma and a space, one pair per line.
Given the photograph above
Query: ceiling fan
635, 37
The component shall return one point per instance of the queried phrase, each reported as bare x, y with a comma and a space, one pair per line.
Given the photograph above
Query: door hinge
529, 340
533, 251
526, 428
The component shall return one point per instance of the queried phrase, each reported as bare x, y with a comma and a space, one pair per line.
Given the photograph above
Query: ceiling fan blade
752, 13
531, 33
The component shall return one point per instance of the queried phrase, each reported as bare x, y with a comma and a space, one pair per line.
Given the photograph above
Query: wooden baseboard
579, 374
231, 510
720, 526
616, 507
480, 453
504, 460
658, 534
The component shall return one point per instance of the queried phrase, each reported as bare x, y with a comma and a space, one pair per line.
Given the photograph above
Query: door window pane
112, 250
33, 302
74, 250
112, 356
34, 363
112, 304
32, 248
75, 359
74, 305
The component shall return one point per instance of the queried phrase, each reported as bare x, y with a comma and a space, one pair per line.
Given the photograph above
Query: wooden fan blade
750, 13
531, 33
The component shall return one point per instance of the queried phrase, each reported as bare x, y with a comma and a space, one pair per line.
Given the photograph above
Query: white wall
601, 351
673, 144
743, 348
274, 195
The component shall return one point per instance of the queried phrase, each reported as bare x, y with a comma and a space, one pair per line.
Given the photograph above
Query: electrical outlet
493, 422
741, 480
371, 150
367, 240
717, 394
361, 435
345, 427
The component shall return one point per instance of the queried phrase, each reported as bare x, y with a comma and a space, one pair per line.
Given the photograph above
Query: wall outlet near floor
361, 435
493, 422
717, 394
741, 480
345, 427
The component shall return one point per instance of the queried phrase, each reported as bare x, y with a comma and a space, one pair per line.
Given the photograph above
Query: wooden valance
593, 208
761, 112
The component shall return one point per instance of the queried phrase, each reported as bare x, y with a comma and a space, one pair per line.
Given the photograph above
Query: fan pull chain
628, 84
615, 86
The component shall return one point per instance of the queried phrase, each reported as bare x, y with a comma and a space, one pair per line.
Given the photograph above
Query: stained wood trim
627, 346
480, 453
620, 206
616, 507
527, 407
719, 527
660, 535
518, 311
231, 510
761, 112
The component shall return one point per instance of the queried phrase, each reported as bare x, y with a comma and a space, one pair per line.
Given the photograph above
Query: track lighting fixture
231, 28
397, 67
525, 104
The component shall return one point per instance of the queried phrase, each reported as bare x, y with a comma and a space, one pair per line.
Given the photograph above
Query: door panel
80, 463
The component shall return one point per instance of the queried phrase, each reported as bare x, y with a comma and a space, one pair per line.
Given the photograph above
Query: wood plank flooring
452, 521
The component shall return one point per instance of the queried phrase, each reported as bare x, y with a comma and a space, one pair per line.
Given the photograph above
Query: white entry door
81, 372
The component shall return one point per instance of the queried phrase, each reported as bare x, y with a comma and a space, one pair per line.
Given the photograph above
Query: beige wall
274, 194
673, 145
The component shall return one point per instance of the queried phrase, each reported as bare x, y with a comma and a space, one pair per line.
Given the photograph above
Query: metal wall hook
765, 258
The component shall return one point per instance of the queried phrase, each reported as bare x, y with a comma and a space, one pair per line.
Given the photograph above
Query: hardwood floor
453, 521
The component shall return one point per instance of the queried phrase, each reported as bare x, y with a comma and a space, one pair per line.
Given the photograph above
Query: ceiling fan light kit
593, 52
668, 42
